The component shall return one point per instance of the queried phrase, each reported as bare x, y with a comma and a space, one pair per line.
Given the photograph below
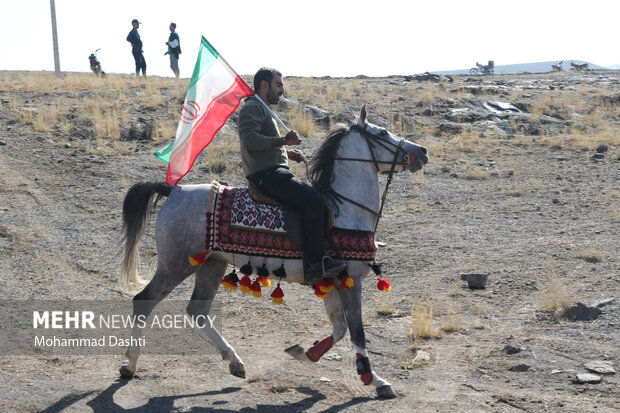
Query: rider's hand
295, 155
292, 138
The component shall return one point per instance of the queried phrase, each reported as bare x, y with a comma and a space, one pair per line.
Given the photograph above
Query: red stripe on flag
214, 118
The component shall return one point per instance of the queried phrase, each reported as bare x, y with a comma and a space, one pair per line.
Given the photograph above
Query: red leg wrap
363, 368
319, 348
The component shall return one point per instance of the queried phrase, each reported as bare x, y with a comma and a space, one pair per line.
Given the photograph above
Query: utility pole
55, 38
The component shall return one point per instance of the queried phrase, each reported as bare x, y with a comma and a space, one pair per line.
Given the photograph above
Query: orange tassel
277, 295
383, 284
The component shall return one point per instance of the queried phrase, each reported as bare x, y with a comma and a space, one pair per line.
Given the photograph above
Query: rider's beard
272, 97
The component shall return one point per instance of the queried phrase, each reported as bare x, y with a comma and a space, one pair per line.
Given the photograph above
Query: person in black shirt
136, 48
174, 49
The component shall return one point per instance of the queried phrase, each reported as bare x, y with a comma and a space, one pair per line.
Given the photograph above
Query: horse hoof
126, 373
386, 392
237, 370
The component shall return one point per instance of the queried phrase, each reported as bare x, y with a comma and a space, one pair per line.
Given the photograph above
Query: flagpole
272, 112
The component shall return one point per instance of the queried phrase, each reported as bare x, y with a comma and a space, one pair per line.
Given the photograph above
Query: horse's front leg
333, 307
352, 306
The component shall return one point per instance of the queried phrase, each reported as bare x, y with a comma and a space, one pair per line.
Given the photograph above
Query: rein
372, 139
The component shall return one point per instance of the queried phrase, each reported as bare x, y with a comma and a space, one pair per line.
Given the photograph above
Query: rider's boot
328, 267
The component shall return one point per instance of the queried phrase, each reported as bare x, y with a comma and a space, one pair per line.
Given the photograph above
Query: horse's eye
383, 132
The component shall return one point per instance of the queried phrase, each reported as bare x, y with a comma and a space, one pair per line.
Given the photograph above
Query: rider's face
276, 89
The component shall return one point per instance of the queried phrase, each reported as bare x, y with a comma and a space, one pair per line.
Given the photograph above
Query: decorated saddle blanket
236, 223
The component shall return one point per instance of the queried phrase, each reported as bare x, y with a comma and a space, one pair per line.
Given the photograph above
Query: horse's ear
362, 120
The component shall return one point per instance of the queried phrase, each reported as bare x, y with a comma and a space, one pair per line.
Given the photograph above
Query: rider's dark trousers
281, 185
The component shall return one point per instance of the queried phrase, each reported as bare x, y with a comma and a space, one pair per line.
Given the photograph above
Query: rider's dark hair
173, 25
264, 73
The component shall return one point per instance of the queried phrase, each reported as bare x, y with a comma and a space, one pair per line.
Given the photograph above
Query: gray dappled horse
346, 168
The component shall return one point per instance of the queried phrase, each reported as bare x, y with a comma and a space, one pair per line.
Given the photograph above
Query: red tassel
383, 284
277, 295
245, 284
228, 284
264, 281
198, 259
323, 287
256, 290
347, 282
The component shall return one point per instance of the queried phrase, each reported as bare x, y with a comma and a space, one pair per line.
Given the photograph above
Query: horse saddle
293, 217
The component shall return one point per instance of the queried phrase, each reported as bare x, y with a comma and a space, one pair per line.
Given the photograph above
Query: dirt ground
539, 214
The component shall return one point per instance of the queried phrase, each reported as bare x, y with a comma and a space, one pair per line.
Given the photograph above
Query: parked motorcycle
579, 66
483, 69
95, 65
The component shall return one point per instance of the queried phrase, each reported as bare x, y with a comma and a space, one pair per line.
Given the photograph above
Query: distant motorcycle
579, 66
558, 67
487, 69
95, 65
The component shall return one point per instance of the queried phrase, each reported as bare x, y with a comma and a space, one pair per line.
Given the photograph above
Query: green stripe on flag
164, 153
207, 56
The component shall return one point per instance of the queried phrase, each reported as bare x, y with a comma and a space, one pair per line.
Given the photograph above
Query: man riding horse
265, 164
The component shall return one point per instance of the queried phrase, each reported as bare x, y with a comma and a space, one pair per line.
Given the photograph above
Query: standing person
136, 48
174, 49
265, 164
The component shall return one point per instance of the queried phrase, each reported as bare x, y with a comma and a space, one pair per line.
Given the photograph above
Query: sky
312, 38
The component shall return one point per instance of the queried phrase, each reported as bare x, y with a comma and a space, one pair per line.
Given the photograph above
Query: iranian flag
214, 93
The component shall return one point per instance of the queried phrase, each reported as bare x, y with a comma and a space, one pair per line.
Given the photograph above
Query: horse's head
387, 151
361, 143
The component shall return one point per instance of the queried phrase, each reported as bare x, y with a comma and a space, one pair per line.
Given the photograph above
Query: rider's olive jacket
257, 128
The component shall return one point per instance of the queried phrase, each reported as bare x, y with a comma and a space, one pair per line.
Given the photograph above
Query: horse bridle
371, 140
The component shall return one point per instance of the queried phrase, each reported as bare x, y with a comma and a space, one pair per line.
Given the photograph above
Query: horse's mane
321, 171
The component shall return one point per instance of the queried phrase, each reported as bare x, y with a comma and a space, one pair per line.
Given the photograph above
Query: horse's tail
135, 210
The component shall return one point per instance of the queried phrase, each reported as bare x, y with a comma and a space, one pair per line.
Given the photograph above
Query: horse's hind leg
143, 303
352, 305
207, 283
335, 312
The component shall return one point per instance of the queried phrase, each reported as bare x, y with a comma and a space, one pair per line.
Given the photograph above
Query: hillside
522, 184
516, 68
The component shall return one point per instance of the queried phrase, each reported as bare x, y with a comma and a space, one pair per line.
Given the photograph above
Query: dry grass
590, 256
386, 308
592, 113
555, 297
422, 323
301, 121
475, 173
450, 320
